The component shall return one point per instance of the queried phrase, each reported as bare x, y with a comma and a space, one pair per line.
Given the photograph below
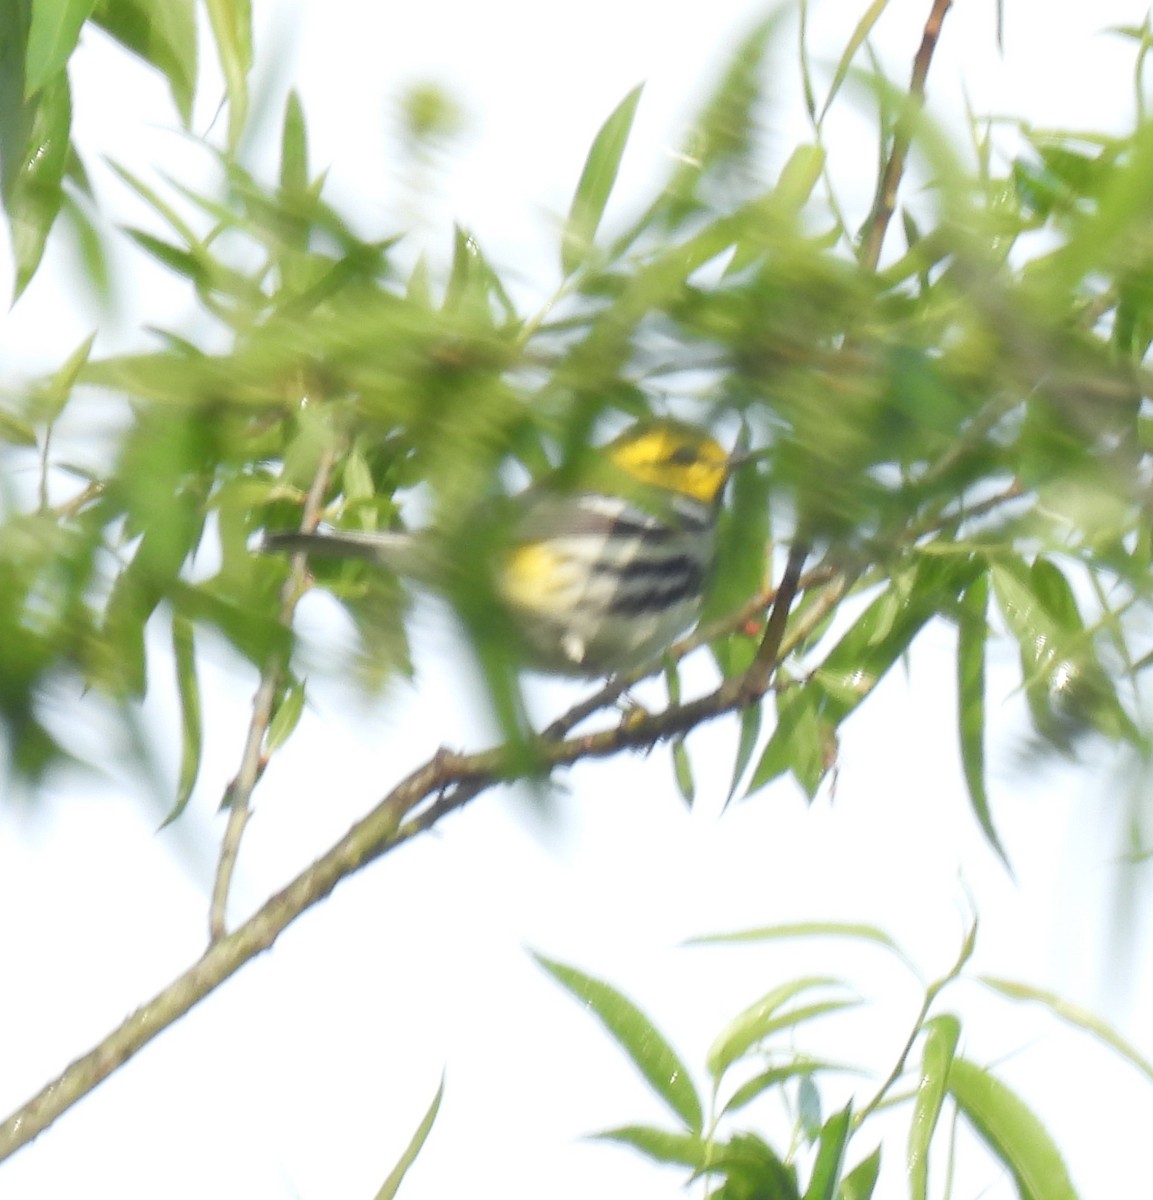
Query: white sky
304, 1076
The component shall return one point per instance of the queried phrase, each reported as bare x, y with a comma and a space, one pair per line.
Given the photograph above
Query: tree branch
885, 201
239, 791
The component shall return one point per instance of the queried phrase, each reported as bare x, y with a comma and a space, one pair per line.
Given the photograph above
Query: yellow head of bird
674, 456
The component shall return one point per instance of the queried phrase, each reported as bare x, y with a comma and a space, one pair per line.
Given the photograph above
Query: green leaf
856, 40
799, 176
48, 401
941, 1036
636, 1035
1073, 1014
764, 1017
752, 1170
746, 744
809, 1108
55, 30
163, 35
661, 1145
683, 771
1012, 1132
473, 286
89, 241
389, 1188
857, 930
972, 634
286, 717
16, 431
800, 742
191, 265
15, 114
231, 22
862, 1179
188, 689
155, 201
596, 183
294, 147
724, 134
774, 1077
834, 1141
37, 189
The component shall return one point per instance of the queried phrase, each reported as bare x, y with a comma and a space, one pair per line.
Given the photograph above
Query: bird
597, 575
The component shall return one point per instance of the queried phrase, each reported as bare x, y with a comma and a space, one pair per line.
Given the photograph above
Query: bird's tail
399, 552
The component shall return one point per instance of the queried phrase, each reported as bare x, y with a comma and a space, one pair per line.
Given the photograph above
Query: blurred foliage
761, 1077
40, 169
960, 433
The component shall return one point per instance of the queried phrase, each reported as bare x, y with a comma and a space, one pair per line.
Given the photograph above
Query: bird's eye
684, 456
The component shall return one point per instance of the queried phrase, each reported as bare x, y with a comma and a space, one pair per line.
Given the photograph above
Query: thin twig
885, 201
239, 793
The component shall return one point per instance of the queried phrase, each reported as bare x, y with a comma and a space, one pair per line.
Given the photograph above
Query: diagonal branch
885, 201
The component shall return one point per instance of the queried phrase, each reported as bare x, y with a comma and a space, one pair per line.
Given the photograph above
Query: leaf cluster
754, 1066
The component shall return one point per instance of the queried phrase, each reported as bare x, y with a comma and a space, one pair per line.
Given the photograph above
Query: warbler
596, 579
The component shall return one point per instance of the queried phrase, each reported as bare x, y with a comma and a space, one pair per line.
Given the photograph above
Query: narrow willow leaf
90, 244
856, 930
683, 772
746, 744
16, 431
156, 202
799, 742
191, 727
758, 1020
356, 476
15, 112
809, 1108
286, 717
1075, 1015
49, 400
389, 1188
862, 1179
472, 283
294, 147
824, 1184
596, 183
856, 40
52, 37
800, 174
638, 1037
1012, 1132
941, 1035
37, 187
231, 22
661, 1145
776, 1076
1055, 595
175, 258
972, 634
163, 35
